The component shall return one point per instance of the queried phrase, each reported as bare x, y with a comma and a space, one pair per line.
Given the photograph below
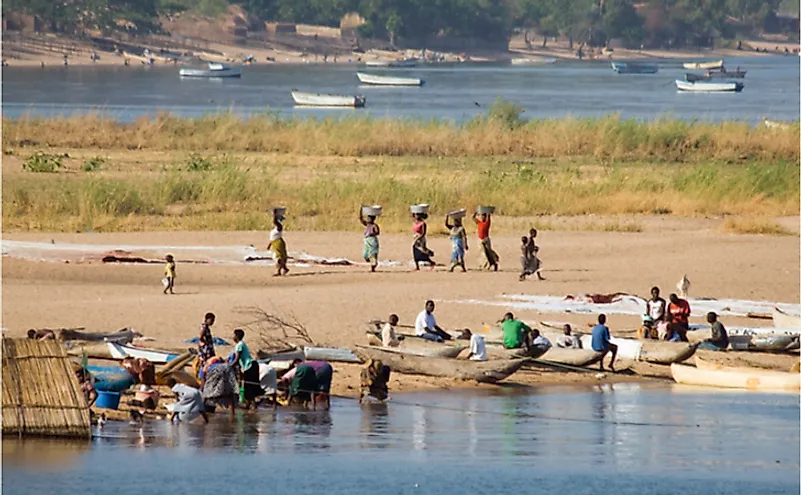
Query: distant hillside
662, 23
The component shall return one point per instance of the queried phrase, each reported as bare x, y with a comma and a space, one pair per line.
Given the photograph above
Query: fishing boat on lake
328, 100
402, 63
212, 69
376, 80
533, 61
717, 64
709, 87
710, 374
635, 68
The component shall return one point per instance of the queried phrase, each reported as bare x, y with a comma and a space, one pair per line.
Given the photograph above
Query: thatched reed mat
41, 395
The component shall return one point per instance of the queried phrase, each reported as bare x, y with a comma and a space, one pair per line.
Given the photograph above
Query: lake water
454, 92
619, 439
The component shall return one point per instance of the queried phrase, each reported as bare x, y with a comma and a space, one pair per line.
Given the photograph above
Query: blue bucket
108, 400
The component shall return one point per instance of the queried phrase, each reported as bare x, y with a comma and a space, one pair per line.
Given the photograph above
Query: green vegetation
42, 163
501, 133
655, 23
93, 164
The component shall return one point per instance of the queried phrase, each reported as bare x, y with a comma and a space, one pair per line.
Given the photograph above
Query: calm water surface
616, 439
453, 92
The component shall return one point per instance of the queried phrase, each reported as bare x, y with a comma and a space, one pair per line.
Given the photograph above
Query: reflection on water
624, 437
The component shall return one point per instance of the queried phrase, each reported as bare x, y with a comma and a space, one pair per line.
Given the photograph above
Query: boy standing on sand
169, 274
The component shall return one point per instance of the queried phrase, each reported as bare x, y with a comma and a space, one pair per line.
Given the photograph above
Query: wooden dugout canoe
480, 371
715, 375
654, 351
418, 349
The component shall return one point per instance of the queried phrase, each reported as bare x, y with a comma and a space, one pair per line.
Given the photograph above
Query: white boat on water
635, 68
709, 87
213, 69
119, 351
377, 80
326, 100
406, 62
533, 61
703, 65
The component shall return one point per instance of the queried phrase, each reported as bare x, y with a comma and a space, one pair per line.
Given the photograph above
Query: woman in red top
420, 250
483, 223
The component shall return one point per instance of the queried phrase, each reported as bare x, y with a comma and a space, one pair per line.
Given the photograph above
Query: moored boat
124, 336
635, 68
327, 100
496, 351
119, 351
571, 357
709, 87
703, 65
330, 354
481, 371
376, 80
782, 319
533, 61
711, 374
213, 69
444, 351
406, 62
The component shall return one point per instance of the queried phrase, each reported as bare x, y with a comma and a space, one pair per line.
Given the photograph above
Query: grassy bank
500, 133
142, 190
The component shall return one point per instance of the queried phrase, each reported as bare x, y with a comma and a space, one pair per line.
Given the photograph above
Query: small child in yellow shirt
169, 274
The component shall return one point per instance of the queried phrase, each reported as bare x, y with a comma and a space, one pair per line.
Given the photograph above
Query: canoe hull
119, 351
714, 375
571, 357
666, 352
709, 87
703, 65
480, 371
634, 68
221, 72
376, 80
325, 100
785, 320
533, 61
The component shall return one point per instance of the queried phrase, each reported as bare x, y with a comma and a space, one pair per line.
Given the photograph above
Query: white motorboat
213, 69
406, 62
709, 87
377, 80
327, 100
533, 61
703, 65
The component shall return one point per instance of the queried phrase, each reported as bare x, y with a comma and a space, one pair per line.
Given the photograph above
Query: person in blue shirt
601, 343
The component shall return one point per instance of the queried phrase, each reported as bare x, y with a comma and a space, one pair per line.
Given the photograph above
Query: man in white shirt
478, 348
568, 340
426, 326
388, 337
538, 341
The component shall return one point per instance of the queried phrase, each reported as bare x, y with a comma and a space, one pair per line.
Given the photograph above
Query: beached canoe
331, 354
703, 65
480, 371
634, 68
124, 336
212, 69
418, 348
571, 357
626, 348
377, 80
709, 86
784, 320
327, 100
119, 351
654, 351
496, 351
715, 375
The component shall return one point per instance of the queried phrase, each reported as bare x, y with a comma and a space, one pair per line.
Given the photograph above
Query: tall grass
500, 133
229, 196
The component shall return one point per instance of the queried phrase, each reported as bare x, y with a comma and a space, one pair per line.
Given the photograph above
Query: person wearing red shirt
483, 223
679, 317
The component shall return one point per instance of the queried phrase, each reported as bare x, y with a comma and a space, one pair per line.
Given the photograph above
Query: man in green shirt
516, 334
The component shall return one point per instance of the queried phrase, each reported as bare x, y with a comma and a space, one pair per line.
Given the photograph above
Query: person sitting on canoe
388, 336
568, 340
720, 337
540, 343
601, 342
656, 307
374, 380
478, 347
679, 317
425, 325
516, 334
647, 330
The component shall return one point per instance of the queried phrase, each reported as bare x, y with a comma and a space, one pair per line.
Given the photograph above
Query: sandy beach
334, 303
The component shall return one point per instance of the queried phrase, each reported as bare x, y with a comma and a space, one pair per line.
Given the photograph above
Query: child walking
169, 274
